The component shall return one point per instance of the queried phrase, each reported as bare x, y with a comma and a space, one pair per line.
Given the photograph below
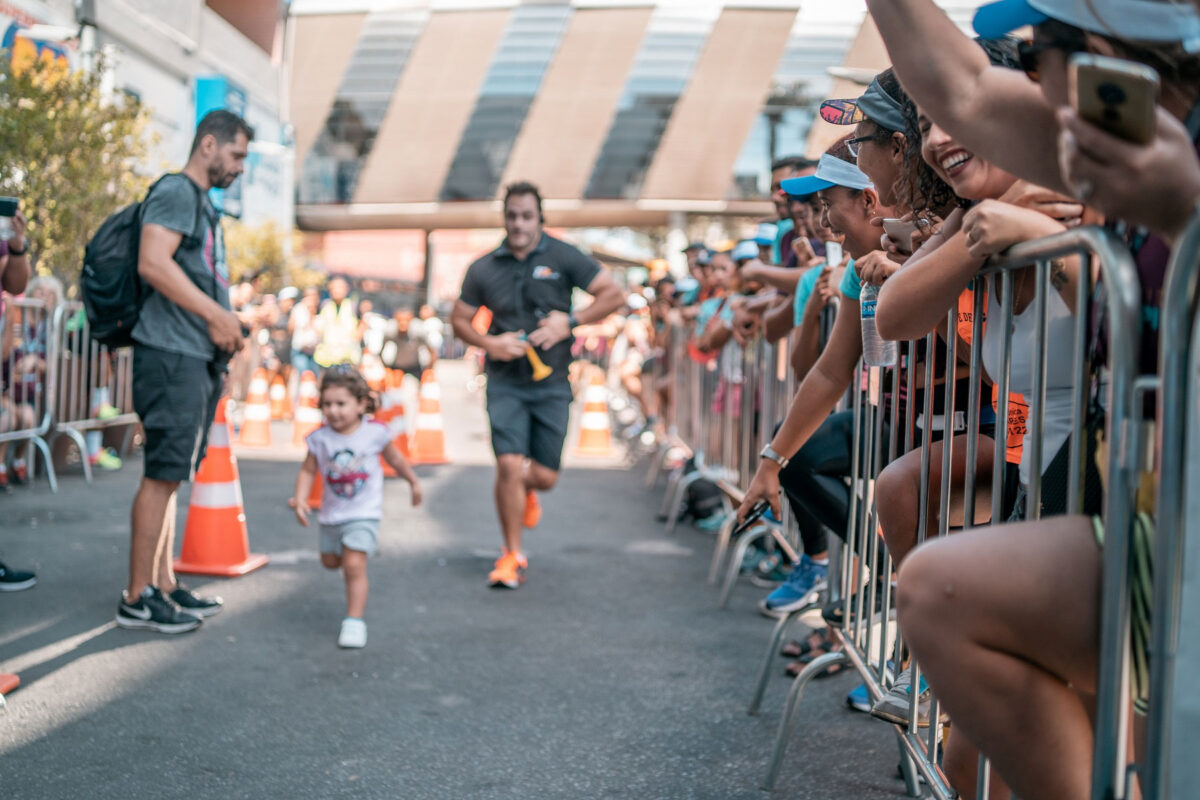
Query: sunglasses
1029, 53
852, 144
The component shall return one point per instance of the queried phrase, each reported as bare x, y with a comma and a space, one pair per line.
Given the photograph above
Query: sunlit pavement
610, 674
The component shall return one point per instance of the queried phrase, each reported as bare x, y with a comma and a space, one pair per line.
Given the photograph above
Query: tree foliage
70, 154
264, 254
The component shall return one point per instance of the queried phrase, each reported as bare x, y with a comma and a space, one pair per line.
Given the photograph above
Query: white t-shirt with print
349, 466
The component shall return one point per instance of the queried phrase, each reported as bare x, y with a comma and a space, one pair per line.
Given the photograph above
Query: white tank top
1060, 349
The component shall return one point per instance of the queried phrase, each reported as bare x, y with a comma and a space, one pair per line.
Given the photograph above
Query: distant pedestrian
346, 451
183, 340
341, 336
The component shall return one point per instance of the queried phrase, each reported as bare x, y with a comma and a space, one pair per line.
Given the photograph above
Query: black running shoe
14, 580
193, 603
156, 612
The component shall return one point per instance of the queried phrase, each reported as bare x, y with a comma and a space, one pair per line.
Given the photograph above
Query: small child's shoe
354, 633
105, 458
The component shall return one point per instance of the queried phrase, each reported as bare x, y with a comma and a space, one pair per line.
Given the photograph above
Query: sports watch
769, 452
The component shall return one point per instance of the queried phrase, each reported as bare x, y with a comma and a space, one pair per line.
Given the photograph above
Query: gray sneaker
895, 704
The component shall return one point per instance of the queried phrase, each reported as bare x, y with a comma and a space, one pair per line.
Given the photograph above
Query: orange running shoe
509, 572
533, 509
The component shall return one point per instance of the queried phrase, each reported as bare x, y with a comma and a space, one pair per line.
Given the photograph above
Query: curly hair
345, 376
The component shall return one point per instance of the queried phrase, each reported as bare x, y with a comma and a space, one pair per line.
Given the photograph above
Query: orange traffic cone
595, 435
8, 682
308, 413
429, 440
374, 372
215, 541
392, 415
256, 422
281, 408
314, 497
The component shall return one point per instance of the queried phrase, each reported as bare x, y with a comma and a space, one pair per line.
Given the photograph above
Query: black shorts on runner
176, 397
529, 421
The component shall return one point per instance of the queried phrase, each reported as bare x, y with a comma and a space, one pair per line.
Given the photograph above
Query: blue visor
1135, 20
766, 233
831, 171
745, 250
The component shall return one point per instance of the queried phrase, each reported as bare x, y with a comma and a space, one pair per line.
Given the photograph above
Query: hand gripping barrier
902, 403
29, 366
1170, 769
94, 390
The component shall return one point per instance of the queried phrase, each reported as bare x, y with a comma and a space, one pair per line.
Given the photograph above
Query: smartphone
1116, 95
900, 232
833, 253
752, 516
8, 206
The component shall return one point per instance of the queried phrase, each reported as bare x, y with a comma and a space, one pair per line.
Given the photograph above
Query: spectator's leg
1004, 622
960, 762
898, 493
164, 567
150, 506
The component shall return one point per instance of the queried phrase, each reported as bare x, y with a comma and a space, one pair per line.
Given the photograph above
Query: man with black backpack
183, 339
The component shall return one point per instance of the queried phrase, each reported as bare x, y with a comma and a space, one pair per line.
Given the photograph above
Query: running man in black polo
527, 283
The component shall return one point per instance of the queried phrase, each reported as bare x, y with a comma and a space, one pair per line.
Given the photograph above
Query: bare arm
779, 320
505, 347
395, 459
781, 278
916, 298
304, 484
956, 85
157, 267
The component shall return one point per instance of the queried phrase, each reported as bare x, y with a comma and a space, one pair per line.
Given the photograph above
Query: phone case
1116, 95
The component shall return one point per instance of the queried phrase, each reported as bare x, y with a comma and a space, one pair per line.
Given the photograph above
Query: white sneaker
354, 633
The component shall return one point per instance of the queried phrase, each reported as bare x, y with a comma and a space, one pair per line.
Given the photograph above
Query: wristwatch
769, 452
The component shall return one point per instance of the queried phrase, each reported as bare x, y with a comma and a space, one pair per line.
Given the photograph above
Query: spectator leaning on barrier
527, 283
1031, 634
183, 340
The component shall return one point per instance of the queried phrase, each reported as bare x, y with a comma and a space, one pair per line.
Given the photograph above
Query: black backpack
112, 290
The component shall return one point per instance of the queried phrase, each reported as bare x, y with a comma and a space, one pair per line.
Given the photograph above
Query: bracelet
14, 252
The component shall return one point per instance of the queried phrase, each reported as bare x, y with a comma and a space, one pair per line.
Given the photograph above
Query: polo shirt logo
543, 273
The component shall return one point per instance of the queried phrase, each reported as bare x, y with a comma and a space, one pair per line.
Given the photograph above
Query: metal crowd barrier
1173, 722
860, 573
89, 375
28, 363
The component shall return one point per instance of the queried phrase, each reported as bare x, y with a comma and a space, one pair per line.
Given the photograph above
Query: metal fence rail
888, 400
28, 361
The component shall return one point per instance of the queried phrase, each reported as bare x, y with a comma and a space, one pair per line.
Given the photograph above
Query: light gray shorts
354, 534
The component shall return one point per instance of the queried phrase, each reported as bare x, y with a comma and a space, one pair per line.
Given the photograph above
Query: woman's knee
921, 592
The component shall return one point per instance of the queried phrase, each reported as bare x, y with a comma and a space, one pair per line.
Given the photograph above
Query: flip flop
817, 640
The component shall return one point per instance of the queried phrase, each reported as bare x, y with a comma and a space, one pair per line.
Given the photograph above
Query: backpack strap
197, 236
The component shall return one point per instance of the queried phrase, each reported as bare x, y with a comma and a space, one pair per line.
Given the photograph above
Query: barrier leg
41, 447
81, 443
735, 563
677, 498
672, 482
788, 720
721, 546
908, 770
764, 674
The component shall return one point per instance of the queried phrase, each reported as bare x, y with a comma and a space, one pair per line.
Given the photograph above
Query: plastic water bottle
876, 351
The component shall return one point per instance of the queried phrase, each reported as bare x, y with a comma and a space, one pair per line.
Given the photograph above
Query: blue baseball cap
831, 171
1137, 20
766, 233
745, 250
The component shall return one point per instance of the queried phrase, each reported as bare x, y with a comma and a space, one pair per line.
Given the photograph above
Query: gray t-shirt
161, 323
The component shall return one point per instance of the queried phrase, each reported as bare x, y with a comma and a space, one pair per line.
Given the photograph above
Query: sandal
817, 640
794, 668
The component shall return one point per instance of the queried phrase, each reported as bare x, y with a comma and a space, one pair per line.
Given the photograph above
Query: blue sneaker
859, 699
711, 523
802, 588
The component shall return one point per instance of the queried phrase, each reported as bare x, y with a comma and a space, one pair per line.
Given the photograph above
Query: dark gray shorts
529, 421
176, 397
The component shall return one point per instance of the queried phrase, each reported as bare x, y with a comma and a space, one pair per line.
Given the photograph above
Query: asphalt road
611, 674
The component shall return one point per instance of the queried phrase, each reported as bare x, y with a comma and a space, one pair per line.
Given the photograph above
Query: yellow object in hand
540, 370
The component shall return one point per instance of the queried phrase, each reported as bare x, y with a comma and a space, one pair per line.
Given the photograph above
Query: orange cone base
8, 682
252, 562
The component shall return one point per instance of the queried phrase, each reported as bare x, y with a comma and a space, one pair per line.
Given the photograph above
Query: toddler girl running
346, 449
